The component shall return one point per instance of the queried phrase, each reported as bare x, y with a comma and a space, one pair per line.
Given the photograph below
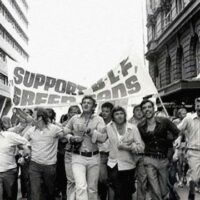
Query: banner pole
3, 106
162, 104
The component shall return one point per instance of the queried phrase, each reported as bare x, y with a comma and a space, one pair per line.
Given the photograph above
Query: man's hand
21, 161
76, 139
123, 146
177, 142
89, 132
175, 156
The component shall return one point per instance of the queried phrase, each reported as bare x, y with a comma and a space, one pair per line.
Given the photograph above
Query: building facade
173, 30
13, 41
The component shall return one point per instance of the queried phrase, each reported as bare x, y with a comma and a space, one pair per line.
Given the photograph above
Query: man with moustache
85, 130
155, 134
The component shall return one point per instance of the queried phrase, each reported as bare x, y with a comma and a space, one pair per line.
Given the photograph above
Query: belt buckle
81, 153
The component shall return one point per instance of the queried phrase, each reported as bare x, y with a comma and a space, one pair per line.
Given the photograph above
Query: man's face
87, 105
148, 110
182, 114
138, 114
6, 123
119, 117
35, 114
197, 108
73, 111
27, 112
106, 113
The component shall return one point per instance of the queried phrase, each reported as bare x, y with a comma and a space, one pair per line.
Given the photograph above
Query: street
183, 192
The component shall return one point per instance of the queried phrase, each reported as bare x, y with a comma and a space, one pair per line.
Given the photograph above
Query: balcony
173, 20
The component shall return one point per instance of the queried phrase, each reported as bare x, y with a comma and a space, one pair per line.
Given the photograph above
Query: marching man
190, 126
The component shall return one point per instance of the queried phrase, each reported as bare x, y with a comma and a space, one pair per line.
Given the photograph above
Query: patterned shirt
75, 126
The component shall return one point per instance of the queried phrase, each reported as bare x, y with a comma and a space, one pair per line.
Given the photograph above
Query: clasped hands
125, 145
78, 139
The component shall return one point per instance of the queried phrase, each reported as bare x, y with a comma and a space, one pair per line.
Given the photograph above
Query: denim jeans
86, 175
70, 176
103, 177
122, 183
61, 181
141, 177
42, 176
24, 180
8, 184
157, 175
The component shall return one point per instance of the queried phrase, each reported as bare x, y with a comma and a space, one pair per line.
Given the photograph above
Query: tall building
13, 41
173, 29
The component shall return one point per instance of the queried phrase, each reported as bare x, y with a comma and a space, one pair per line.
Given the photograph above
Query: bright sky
81, 40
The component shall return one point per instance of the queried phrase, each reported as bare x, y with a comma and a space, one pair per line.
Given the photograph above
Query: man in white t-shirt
8, 167
43, 138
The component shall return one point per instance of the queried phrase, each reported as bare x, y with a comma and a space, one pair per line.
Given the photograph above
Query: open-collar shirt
124, 158
190, 125
95, 123
160, 139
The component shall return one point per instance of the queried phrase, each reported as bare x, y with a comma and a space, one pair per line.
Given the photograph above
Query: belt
156, 156
68, 150
86, 154
192, 149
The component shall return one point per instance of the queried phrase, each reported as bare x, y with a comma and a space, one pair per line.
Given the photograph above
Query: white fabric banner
126, 83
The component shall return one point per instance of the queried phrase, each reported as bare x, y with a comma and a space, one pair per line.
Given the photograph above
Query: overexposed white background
81, 40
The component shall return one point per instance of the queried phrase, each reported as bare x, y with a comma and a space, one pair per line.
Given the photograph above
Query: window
156, 70
153, 31
2, 55
168, 70
1, 32
179, 6
3, 79
179, 63
197, 56
194, 56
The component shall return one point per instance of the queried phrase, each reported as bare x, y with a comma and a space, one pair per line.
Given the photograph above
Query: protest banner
125, 84
30, 89
124, 81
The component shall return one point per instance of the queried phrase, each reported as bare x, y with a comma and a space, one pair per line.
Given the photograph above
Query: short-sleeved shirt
8, 144
44, 144
95, 123
191, 127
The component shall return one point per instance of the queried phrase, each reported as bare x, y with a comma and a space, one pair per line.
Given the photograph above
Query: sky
81, 40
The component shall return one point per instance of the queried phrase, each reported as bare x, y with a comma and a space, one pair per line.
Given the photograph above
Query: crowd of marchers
107, 156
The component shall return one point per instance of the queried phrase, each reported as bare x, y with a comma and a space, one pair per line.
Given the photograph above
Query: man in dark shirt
158, 134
